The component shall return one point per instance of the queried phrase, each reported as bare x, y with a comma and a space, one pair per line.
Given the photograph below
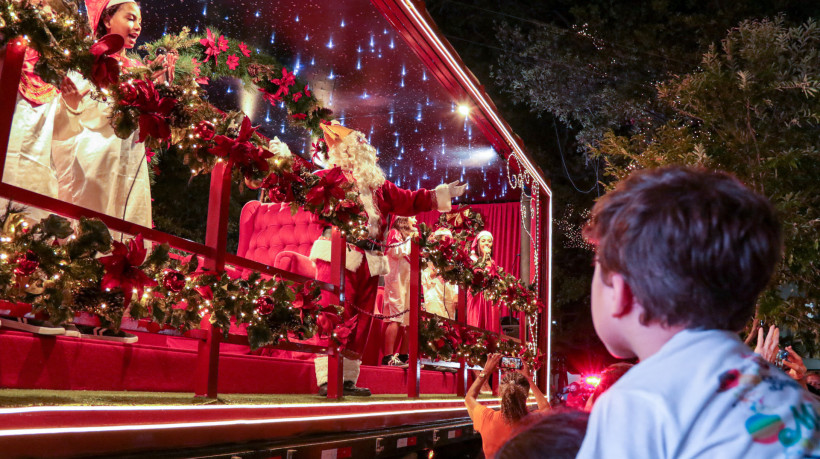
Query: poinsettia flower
213, 47
149, 155
122, 269
343, 331
307, 91
244, 49
299, 116
296, 97
233, 61
287, 80
222, 43
273, 99
241, 152
327, 320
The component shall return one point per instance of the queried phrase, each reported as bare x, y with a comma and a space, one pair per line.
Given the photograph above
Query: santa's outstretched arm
407, 203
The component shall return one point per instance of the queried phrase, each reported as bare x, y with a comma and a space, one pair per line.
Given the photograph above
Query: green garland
63, 279
450, 257
444, 340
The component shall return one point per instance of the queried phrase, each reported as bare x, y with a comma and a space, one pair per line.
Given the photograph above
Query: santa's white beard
373, 214
356, 156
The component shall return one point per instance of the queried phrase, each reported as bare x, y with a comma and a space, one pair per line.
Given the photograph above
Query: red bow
105, 70
241, 152
280, 183
122, 269
331, 185
153, 111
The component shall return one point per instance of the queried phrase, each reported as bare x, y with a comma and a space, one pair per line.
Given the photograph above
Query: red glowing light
593, 380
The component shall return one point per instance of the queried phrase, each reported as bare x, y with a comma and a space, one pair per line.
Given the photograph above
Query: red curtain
503, 220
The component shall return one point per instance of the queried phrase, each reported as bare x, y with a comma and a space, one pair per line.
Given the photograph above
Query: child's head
694, 247
119, 17
558, 434
405, 225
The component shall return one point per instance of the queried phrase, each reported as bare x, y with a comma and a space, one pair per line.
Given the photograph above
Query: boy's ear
624, 301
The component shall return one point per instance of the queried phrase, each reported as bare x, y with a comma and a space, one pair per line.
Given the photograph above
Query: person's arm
543, 403
472, 393
767, 346
796, 368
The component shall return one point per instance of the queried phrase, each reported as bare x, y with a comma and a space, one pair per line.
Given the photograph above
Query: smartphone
511, 363
781, 356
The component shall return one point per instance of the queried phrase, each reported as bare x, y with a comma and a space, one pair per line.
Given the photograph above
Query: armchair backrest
266, 230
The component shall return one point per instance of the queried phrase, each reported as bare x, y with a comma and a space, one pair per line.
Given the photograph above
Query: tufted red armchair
270, 234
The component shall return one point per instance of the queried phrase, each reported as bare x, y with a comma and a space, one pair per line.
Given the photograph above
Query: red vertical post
414, 371
216, 237
9, 81
461, 317
335, 361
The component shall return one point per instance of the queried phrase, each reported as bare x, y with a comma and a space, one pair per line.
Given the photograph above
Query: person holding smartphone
496, 427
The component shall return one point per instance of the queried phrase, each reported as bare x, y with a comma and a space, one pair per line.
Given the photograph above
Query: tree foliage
752, 109
595, 63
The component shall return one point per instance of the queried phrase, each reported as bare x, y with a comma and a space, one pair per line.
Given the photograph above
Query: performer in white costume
440, 296
95, 168
28, 158
397, 289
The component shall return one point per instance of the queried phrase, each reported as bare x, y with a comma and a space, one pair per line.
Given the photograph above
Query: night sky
363, 70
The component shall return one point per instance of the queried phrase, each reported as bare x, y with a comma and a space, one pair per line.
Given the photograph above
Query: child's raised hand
71, 95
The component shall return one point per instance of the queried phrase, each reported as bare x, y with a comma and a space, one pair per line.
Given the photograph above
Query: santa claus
365, 260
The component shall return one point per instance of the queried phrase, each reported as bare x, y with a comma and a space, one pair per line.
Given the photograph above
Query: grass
13, 398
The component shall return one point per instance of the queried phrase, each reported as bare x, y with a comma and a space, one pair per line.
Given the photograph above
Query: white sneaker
39, 327
72, 331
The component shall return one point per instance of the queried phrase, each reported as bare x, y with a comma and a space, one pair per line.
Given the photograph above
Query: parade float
234, 310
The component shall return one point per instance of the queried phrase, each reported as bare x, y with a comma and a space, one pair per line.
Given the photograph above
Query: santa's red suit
363, 267
366, 262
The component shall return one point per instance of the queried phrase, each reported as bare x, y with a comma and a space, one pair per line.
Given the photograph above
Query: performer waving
397, 289
95, 168
366, 261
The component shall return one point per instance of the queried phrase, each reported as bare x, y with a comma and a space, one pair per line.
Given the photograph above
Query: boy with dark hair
682, 255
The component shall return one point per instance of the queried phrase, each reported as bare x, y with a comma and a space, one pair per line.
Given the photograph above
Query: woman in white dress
397, 289
95, 168
28, 157
440, 296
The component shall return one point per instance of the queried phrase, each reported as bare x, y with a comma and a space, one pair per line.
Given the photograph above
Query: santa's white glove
456, 189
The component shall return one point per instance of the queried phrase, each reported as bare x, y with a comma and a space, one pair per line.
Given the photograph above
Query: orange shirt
494, 430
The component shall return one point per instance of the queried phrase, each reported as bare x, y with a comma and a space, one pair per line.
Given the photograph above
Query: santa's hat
95, 10
334, 134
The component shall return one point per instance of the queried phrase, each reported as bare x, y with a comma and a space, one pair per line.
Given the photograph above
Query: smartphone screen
513, 363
